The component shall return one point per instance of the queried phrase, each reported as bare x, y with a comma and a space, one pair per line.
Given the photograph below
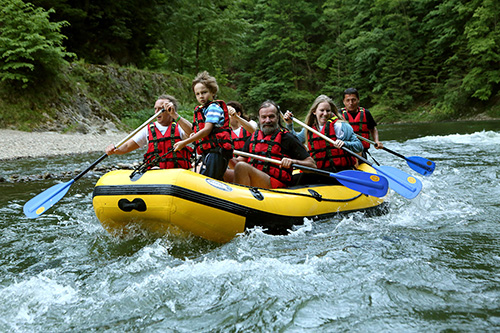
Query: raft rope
314, 194
151, 161
154, 160
374, 160
143, 167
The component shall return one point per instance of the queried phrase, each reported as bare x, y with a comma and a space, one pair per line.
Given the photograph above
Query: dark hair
269, 103
239, 109
171, 99
350, 91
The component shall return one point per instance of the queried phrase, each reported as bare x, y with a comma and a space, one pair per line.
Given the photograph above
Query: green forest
411, 60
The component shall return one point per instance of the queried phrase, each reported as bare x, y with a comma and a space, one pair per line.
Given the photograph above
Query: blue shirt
214, 114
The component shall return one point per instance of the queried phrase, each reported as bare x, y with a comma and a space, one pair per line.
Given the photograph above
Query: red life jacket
220, 137
239, 140
328, 157
359, 124
162, 145
270, 147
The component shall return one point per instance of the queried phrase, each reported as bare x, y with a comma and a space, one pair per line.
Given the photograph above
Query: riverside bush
31, 48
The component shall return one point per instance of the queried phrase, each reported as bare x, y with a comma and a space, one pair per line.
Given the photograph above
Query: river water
430, 264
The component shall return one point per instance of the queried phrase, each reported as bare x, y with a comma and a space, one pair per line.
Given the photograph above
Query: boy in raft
159, 136
211, 128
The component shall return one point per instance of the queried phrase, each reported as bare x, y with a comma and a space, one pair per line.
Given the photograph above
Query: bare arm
287, 117
183, 123
186, 126
374, 134
246, 125
194, 137
123, 149
308, 162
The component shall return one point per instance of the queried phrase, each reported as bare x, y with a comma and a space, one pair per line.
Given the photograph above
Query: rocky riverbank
18, 144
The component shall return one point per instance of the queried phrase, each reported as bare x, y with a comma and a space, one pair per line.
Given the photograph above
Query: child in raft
211, 128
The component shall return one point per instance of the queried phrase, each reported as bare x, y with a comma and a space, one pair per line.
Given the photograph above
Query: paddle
421, 165
401, 182
42, 202
364, 182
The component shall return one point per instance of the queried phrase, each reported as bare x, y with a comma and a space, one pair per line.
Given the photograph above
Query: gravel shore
16, 144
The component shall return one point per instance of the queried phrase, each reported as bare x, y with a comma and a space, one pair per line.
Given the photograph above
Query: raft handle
316, 195
257, 195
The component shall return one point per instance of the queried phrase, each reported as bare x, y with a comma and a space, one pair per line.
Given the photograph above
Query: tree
30, 45
198, 35
103, 32
482, 35
277, 64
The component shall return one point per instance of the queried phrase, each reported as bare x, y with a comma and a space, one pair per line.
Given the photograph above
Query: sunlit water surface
431, 264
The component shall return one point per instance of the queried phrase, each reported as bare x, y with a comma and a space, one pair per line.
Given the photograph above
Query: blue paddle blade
421, 165
364, 182
401, 182
42, 202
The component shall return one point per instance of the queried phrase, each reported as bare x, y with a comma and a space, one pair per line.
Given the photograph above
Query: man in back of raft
270, 141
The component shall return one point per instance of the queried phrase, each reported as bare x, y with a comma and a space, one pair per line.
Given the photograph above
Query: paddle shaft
267, 159
361, 158
99, 160
45, 200
366, 183
384, 148
421, 165
398, 182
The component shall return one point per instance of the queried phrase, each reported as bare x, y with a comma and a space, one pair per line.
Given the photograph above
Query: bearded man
270, 141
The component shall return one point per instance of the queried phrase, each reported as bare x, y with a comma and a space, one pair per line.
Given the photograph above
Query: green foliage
414, 60
109, 92
30, 45
104, 32
197, 35
277, 64
482, 33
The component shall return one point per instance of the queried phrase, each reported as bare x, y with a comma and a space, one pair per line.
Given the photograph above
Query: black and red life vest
359, 124
270, 146
328, 157
162, 145
220, 137
239, 140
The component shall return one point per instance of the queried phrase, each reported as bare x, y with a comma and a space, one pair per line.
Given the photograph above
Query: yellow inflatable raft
178, 201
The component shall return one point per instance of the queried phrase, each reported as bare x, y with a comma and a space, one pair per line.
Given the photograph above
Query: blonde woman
324, 117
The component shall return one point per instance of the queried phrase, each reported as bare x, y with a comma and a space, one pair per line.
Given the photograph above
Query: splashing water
430, 264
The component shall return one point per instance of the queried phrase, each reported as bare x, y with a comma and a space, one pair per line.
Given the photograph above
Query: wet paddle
363, 182
421, 165
45, 200
401, 182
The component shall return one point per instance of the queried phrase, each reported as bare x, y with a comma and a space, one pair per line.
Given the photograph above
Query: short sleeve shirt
214, 114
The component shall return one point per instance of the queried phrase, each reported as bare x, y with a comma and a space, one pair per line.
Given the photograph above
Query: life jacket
162, 145
359, 124
220, 137
328, 157
270, 146
239, 140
